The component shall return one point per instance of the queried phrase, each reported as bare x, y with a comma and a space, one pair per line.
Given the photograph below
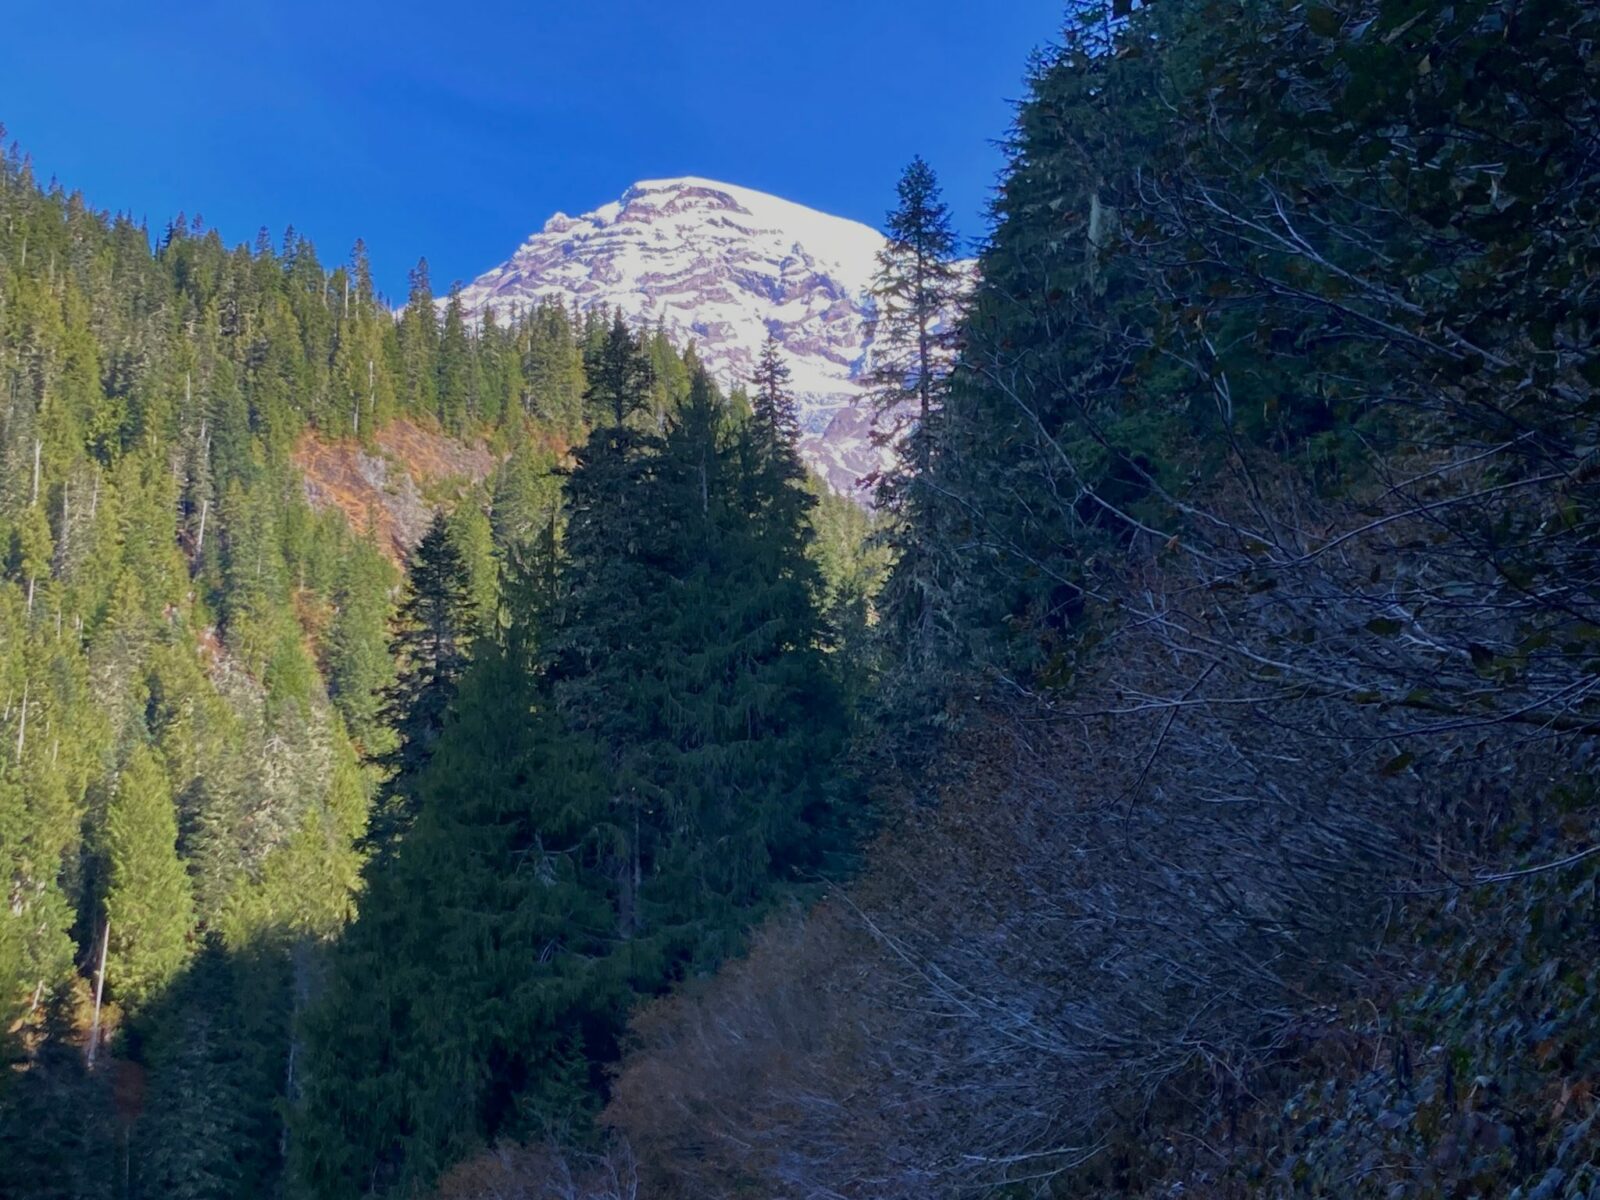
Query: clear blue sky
454, 129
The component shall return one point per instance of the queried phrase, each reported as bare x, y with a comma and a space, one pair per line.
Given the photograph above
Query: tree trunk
99, 992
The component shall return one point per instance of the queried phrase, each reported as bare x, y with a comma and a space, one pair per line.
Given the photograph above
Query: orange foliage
383, 486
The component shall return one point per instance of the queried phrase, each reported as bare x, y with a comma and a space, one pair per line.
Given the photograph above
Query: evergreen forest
1179, 780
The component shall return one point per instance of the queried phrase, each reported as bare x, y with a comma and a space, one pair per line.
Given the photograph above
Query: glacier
721, 266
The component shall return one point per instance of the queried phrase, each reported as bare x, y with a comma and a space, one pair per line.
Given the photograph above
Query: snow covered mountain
722, 265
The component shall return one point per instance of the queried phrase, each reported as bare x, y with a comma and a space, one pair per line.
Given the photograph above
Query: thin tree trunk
299, 993
22, 722
99, 992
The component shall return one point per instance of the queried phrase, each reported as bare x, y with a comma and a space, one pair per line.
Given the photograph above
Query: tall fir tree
432, 630
458, 385
600, 639
360, 669
689, 650
915, 292
149, 903
419, 345
476, 992
779, 500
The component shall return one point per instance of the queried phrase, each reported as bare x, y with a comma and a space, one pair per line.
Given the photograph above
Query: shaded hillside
1239, 707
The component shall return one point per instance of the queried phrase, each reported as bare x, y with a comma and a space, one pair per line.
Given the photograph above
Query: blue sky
453, 130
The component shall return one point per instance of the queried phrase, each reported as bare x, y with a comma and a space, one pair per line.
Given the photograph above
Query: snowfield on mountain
720, 266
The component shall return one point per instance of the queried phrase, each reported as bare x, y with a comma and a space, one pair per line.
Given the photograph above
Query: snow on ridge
722, 265
847, 245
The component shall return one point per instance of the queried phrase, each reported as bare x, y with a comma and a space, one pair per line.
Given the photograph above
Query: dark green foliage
459, 384
1268, 457
148, 902
360, 668
59, 1136
432, 630
636, 767
472, 534
461, 1000
168, 751
418, 349
619, 374
916, 291
552, 368
194, 1125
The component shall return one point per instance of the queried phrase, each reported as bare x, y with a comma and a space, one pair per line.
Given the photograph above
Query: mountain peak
722, 265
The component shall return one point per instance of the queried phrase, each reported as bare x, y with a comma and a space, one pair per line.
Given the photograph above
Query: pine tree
779, 500
600, 639
915, 292
149, 903
619, 375
770, 713
360, 669
191, 1132
429, 646
553, 368
458, 385
461, 1004
57, 1125
689, 650
419, 346
472, 533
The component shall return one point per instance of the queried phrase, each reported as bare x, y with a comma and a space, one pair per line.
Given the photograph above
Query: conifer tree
191, 1132
429, 645
600, 641
360, 668
691, 656
149, 902
553, 368
418, 344
458, 382
779, 501
772, 403
752, 656
619, 374
463, 1003
57, 1124
499, 370
472, 532
915, 291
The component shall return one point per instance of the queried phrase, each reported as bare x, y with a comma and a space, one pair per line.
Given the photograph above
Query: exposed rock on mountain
722, 265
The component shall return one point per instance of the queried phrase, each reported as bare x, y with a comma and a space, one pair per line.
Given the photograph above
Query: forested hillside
1182, 782
215, 695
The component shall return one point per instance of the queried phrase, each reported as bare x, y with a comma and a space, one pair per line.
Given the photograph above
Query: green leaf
1324, 22
1397, 764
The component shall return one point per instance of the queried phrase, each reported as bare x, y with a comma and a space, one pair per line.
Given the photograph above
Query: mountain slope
721, 265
